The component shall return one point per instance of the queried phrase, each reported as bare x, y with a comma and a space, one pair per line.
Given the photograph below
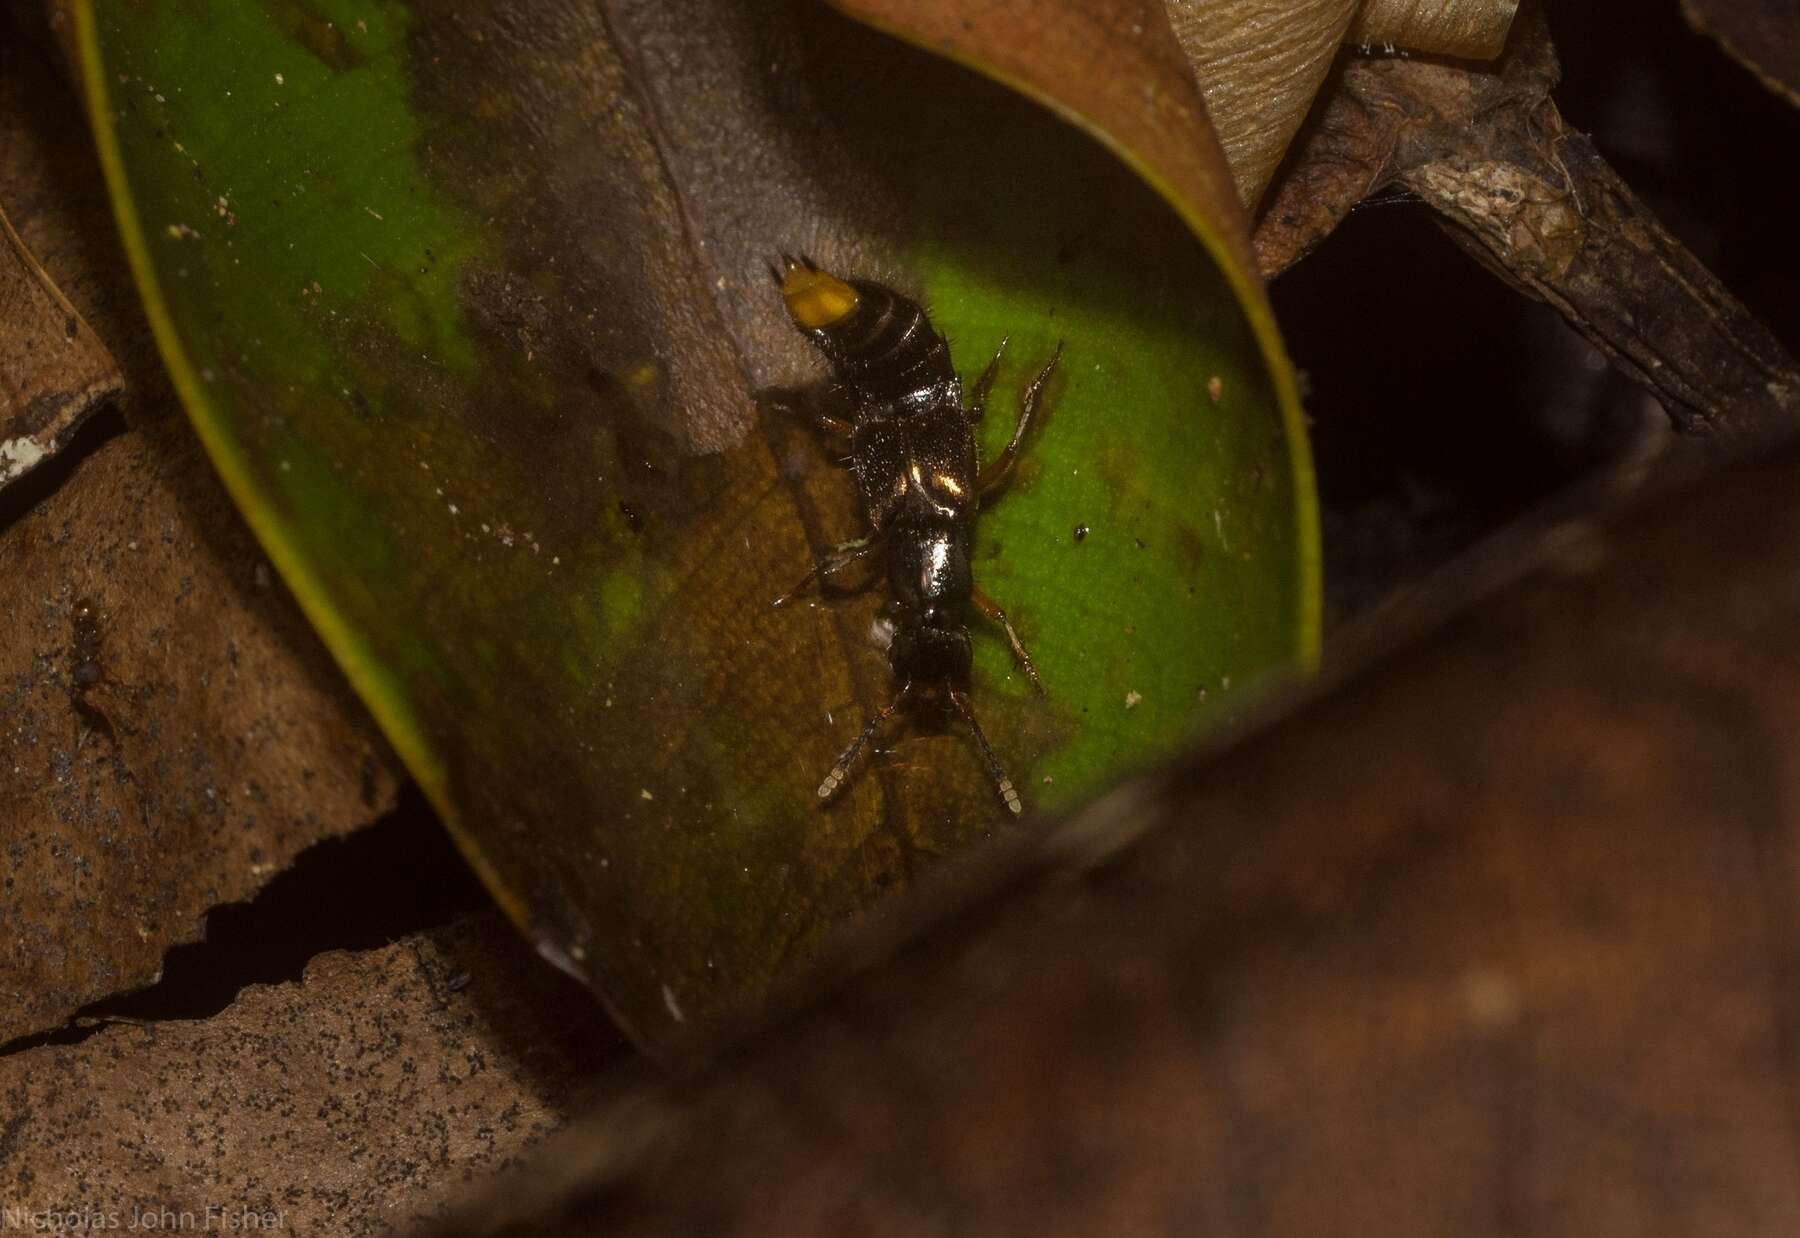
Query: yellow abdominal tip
816, 300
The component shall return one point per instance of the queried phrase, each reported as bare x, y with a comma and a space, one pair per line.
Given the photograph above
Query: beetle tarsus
1002, 783
847, 758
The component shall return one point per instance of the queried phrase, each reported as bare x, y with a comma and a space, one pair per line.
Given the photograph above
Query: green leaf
470, 305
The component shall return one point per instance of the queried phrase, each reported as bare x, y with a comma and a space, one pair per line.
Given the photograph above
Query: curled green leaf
470, 304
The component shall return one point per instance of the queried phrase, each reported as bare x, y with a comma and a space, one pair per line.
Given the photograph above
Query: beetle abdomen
880, 343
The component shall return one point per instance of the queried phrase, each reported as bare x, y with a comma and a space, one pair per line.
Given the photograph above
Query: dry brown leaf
1381, 116
1499, 937
53, 370
171, 732
1475, 30
355, 1101
1261, 62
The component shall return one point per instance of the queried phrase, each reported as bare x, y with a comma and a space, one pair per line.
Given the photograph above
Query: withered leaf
171, 732
1472, 30
1262, 62
356, 1101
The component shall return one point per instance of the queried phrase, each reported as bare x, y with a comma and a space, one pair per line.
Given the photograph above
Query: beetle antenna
1002, 783
841, 770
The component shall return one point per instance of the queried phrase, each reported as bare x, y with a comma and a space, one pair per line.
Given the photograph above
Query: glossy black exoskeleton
912, 452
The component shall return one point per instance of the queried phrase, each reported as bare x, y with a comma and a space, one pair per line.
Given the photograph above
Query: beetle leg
1002, 783
842, 555
820, 420
987, 606
808, 410
841, 770
979, 394
995, 474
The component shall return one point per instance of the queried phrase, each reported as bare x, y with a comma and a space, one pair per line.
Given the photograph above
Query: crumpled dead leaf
1503, 929
1260, 63
171, 731
355, 1101
1472, 30
53, 370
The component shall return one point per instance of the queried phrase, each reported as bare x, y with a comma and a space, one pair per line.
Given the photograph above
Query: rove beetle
912, 452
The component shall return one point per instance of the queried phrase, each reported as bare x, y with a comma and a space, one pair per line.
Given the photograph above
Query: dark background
1442, 402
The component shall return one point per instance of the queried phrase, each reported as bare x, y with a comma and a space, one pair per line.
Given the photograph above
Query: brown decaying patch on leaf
1761, 35
54, 370
1535, 203
171, 733
1262, 62
1500, 936
356, 1101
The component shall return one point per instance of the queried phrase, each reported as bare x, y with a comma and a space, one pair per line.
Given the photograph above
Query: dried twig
1535, 202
